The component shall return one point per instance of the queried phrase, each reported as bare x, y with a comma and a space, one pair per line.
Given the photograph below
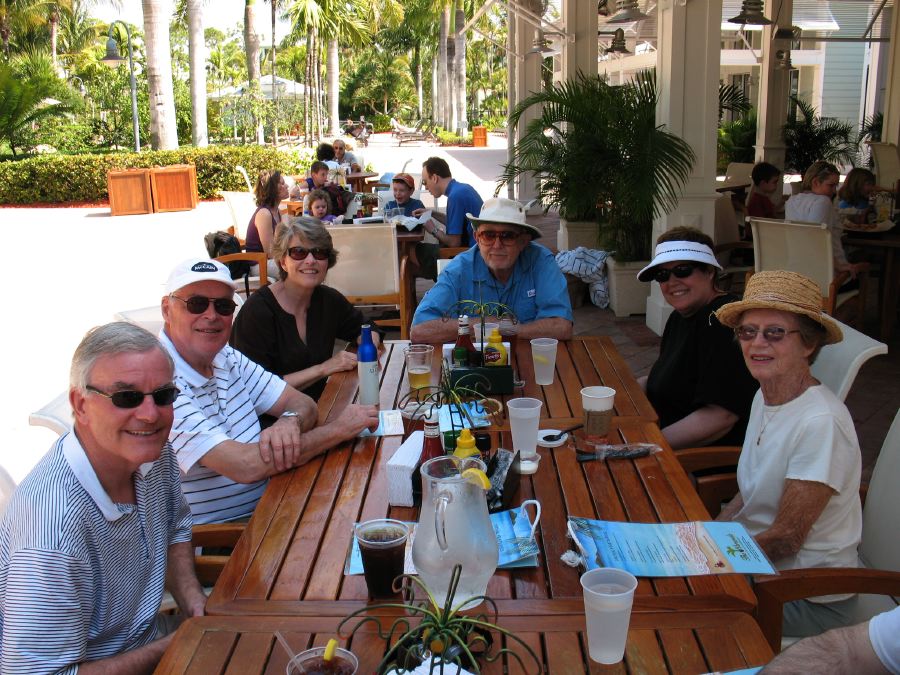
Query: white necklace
766, 420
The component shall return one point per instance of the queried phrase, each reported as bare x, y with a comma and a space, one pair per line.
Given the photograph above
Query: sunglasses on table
129, 398
682, 271
299, 253
197, 304
490, 236
770, 334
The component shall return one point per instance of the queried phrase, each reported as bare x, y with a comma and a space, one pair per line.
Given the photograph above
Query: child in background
766, 182
853, 197
403, 186
317, 205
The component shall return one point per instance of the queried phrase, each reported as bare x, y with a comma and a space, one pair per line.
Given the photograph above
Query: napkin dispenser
400, 468
504, 481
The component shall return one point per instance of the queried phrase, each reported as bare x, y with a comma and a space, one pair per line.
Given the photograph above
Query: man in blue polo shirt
100, 525
461, 200
505, 267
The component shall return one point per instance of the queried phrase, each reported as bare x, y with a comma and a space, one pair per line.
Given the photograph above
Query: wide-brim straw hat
502, 211
784, 291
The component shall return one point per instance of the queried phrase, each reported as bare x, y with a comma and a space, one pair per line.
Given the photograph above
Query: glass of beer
382, 546
418, 365
597, 403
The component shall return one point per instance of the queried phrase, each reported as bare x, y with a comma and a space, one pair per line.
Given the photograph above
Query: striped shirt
209, 411
81, 577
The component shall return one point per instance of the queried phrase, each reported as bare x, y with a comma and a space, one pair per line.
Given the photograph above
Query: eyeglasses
299, 253
130, 398
490, 236
770, 334
197, 304
682, 271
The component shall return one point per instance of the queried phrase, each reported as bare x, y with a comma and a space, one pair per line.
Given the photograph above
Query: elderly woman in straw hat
799, 469
699, 385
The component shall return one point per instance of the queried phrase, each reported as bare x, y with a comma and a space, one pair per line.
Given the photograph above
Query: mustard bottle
465, 445
495, 353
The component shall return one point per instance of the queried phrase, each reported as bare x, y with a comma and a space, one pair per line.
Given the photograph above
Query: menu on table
669, 549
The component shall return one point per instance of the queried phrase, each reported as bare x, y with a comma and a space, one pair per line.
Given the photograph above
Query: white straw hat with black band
673, 251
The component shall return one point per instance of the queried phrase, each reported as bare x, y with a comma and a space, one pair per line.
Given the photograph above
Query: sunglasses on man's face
130, 398
490, 236
299, 253
770, 334
198, 304
682, 271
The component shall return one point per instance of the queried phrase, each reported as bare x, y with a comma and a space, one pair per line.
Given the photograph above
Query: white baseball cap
671, 251
502, 211
193, 270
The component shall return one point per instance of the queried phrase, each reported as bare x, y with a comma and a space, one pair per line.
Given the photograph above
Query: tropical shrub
64, 178
22, 105
736, 141
380, 122
809, 138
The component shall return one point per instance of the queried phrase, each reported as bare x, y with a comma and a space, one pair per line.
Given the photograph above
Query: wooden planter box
174, 188
479, 137
129, 192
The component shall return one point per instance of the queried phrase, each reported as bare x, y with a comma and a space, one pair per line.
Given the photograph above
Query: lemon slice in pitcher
478, 477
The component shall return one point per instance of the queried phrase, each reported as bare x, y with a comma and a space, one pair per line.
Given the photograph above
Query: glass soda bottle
464, 352
367, 367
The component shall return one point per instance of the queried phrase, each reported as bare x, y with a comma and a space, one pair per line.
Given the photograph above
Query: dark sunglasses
682, 271
129, 398
197, 304
770, 334
490, 236
299, 253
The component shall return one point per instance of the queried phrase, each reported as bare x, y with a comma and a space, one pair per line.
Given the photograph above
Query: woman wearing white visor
699, 385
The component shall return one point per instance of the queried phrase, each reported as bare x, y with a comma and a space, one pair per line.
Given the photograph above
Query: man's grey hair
119, 337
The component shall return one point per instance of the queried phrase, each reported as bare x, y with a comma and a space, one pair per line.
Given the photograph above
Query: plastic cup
312, 662
524, 418
382, 546
597, 403
418, 365
543, 352
488, 329
394, 215
608, 596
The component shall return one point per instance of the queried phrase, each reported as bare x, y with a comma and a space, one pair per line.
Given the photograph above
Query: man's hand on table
280, 443
355, 418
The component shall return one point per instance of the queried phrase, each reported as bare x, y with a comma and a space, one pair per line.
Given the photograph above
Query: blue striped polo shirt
81, 577
210, 410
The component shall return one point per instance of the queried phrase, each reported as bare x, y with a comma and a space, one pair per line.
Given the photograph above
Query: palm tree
22, 105
15, 14
251, 48
197, 56
163, 129
809, 138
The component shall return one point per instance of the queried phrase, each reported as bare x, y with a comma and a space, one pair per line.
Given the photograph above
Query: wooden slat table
290, 559
659, 642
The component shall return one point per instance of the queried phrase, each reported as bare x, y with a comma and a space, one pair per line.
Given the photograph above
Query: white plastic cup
543, 352
608, 596
597, 404
311, 659
524, 418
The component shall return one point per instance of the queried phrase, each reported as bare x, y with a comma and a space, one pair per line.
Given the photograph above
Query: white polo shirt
210, 410
81, 577
884, 633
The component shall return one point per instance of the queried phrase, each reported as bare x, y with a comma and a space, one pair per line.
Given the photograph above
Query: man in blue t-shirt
461, 200
506, 267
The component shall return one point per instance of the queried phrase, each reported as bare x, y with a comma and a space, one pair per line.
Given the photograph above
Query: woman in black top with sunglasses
699, 385
290, 327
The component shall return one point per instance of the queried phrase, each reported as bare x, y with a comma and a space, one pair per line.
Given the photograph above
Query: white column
687, 71
528, 81
774, 87
891, 130
579, 17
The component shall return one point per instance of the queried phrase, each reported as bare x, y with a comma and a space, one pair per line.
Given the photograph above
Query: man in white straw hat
799, 469
699, 385
506, 267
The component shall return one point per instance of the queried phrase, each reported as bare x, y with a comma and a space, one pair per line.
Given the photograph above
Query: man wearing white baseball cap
506, 267
699, 385
224, 453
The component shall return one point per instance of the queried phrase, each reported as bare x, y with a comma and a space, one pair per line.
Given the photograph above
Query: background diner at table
699, 385
799, 469
290, 327
269, 192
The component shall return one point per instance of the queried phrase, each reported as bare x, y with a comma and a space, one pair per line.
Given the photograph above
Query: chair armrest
772, 592
217, 534
712, 457
446, 252
716, 489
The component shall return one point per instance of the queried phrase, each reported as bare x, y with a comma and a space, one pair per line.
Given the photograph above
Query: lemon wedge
329, 650
540, 358
478, 477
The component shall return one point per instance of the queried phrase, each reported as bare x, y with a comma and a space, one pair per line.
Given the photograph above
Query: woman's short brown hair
309, 229
813, 335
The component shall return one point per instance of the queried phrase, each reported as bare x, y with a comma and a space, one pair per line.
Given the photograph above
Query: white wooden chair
732, 253
838, 365
241, 170
368, 272
879, 555
887, 163
805, 248
7, 487
241, 206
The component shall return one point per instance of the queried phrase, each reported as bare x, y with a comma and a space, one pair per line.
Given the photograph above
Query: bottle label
491, 357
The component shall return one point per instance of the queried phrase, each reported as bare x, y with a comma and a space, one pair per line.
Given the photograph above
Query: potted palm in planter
600, 159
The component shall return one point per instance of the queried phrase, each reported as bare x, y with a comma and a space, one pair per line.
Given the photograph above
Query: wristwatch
294, 413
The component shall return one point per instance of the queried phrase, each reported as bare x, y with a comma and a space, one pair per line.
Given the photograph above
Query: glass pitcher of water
454, 528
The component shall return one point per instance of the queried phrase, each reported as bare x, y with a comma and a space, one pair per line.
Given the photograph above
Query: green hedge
78, 178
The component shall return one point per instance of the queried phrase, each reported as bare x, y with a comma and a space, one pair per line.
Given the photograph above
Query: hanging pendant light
627, 12
751, 13
617, 46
